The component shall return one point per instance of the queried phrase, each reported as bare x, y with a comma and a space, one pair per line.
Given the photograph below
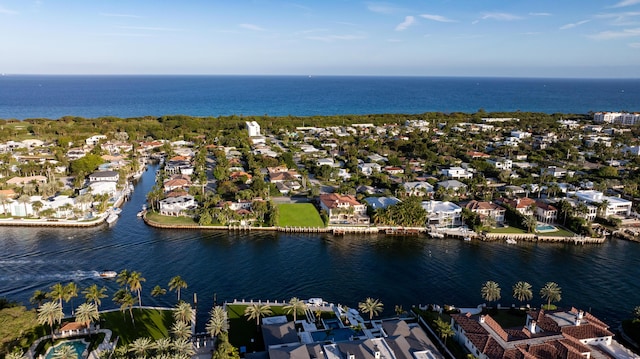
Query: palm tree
490, 291
162, 345
371, 306
183, 348
257, 311
158, 291
87, 313
57, 293
140, 347
50, 313
181, 330
94, 295
24, 199
65, 351
183, 312
444, 329
295, 306
123, 278
551, 292
17, 354
135, 284
38, 297
176, 283
522, 291
530, 222
218, 322
70, 292
126, 301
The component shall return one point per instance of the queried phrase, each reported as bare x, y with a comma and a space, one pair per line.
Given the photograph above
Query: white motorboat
511, 241
112, 218
107, 274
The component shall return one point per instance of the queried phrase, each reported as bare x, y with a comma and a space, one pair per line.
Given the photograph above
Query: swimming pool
545, 228
331, 323
333, 335
79, 345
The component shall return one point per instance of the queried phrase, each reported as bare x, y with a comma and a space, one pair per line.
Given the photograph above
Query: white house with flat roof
614, 206
443, 213
456, 172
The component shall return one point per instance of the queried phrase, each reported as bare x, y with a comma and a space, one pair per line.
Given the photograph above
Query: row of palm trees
256, 311
522, 291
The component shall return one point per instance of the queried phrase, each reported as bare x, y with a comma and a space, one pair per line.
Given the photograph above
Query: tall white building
622, 118
253, 128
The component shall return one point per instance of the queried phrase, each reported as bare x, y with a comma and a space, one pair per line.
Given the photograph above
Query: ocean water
23, 96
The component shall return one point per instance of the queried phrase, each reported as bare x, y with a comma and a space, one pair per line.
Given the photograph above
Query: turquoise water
78, 345
545, 227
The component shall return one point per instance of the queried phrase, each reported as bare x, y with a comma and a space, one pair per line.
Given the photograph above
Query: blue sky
522, 38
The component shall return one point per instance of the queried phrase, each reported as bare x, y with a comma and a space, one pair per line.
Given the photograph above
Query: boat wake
58, 276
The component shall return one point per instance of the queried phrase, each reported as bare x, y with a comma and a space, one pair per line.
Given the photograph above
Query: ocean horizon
126, 96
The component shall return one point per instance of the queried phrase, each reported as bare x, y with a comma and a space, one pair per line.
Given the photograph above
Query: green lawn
152, 323
559, 233
508, 230
170, 220
299, 215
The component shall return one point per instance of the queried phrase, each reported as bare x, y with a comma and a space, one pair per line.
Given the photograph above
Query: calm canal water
257, 265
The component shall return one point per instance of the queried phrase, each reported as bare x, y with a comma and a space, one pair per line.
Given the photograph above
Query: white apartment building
456, 172
622, 118
253, 128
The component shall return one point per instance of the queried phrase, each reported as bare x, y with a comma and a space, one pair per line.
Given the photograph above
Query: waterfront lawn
298, 215
559, 233
508, 230
152, 323
170, 220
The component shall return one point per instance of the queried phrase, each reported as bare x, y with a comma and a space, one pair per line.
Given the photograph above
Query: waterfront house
381, 202
442, 213
546, 213
453, 185
177, 206
613, 206
524, 205
177, 181
489, 212
344, 209
555, 334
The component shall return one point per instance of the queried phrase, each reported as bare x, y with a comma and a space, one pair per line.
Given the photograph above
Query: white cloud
539, 14
394, 40
119, 15
5, 11
383, 8
635, 45
572, 25
621, 18
625, 3
408, 21
252, 27
501, 16
438, 18
611, 35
